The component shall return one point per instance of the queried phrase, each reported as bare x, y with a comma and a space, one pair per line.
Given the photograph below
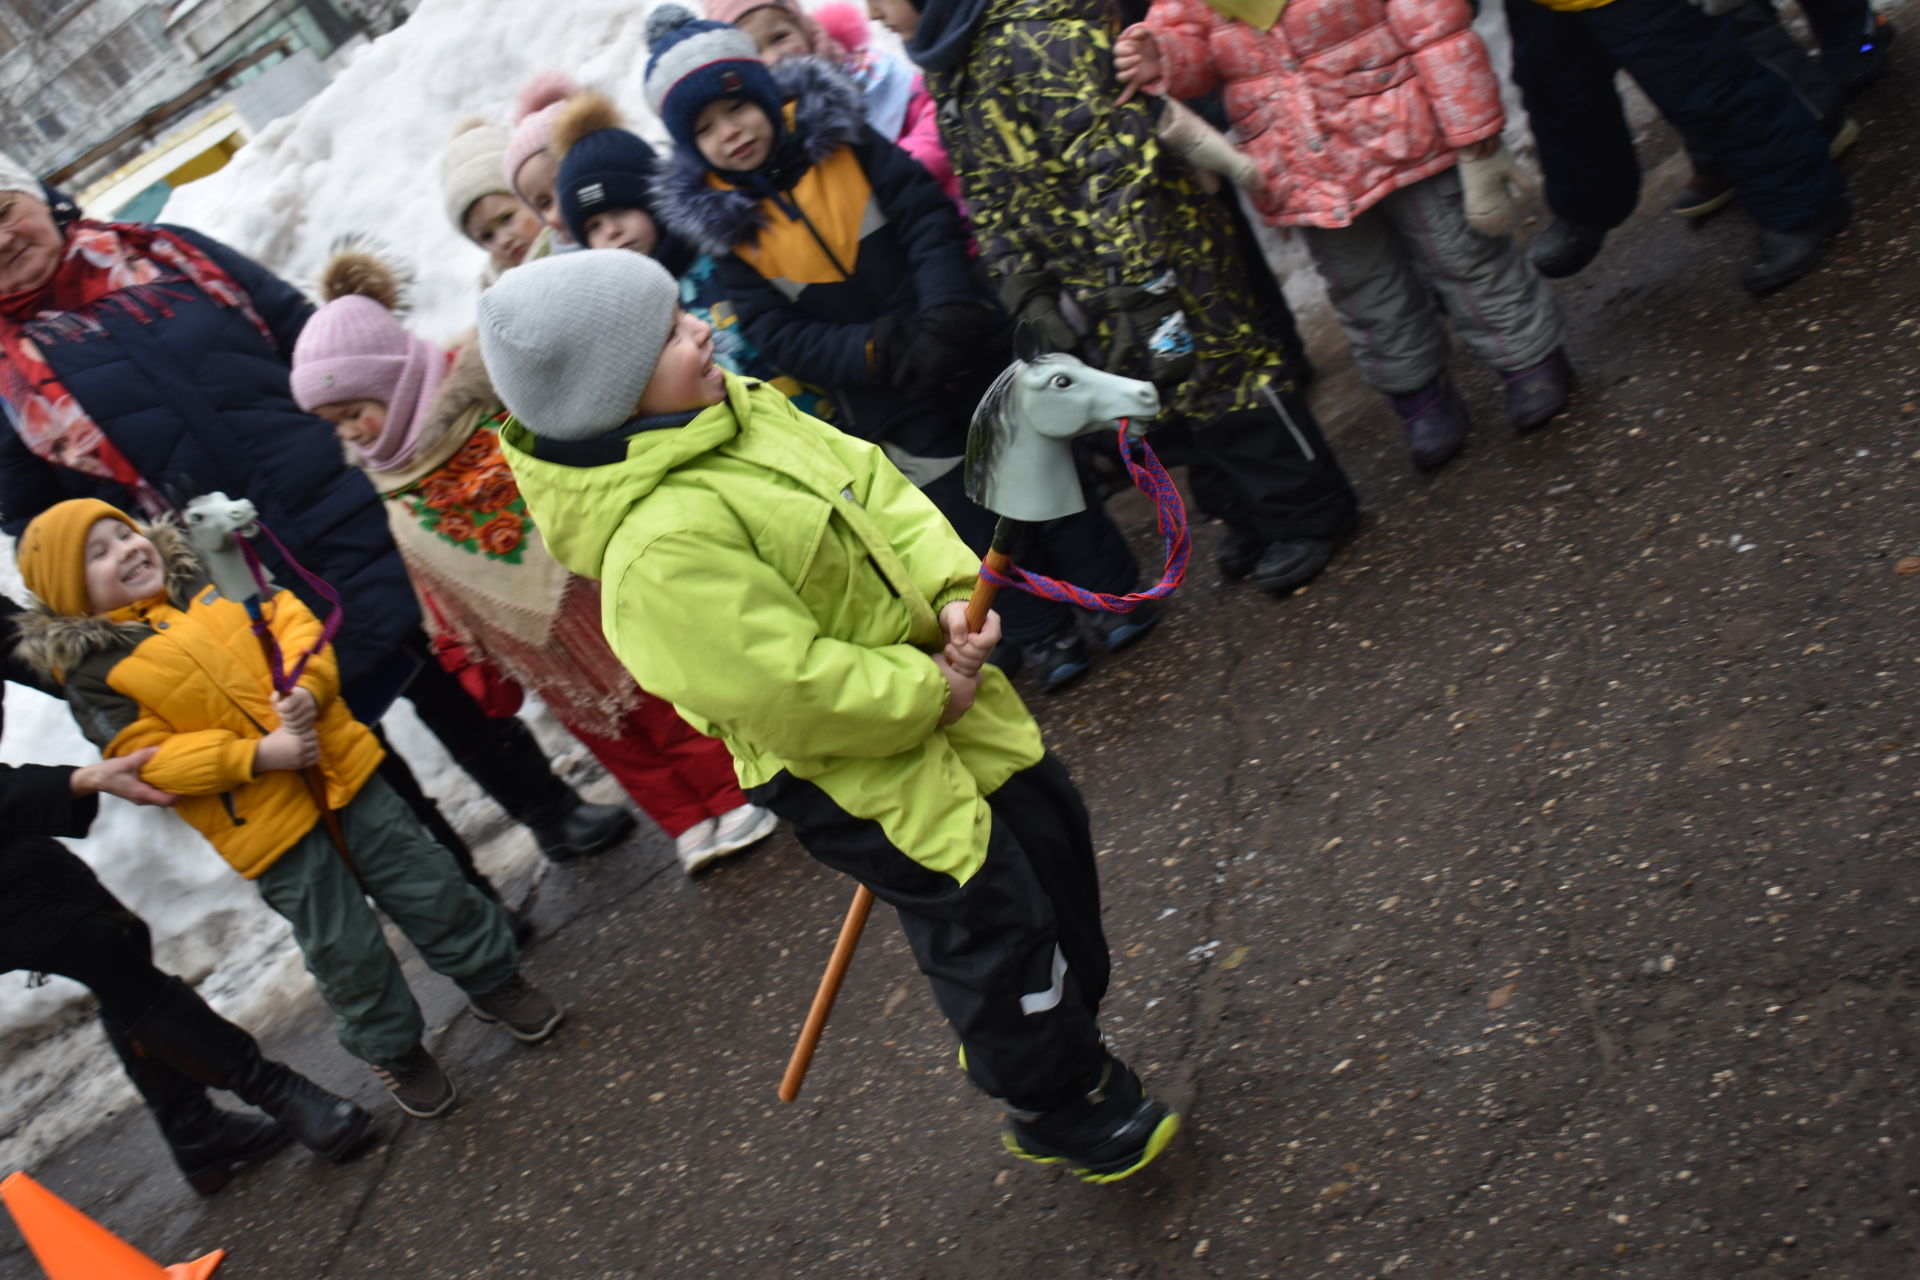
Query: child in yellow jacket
152, 655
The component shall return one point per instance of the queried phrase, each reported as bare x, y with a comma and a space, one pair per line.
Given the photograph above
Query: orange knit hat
52, 551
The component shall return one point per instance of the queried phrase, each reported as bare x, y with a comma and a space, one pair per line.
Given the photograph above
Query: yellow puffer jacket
184, 672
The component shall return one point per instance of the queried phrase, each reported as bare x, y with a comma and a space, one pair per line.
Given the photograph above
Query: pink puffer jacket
920, 138
1343, 101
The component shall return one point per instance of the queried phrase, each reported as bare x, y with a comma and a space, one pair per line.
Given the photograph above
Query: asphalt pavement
1532, 896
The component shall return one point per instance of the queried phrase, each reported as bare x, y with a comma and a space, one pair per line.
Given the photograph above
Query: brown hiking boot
418, 1084
526, 1011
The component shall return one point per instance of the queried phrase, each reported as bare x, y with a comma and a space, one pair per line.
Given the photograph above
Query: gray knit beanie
571, 342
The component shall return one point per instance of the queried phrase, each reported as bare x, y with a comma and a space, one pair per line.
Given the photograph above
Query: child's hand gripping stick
1019, 466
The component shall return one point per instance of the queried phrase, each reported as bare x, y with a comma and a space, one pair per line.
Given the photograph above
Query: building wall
74, 72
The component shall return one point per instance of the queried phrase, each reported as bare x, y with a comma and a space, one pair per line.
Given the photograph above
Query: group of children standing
696, 479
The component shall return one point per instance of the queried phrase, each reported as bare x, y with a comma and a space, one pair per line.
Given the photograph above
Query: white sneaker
737, 828
695, 845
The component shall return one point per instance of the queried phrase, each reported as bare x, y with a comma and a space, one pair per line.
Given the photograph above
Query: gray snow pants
1412, 254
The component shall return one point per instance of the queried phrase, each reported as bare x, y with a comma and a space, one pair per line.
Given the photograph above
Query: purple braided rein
1151, 479
284, 680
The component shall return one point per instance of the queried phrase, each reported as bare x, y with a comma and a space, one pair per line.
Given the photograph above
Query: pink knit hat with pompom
819, 41
533, 113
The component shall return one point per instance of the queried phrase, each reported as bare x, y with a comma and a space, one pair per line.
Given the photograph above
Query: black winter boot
209, 1145
1781, 257
180, 1028
1237, 552
1057, 660
1112, 1128
579, 828
1565, 248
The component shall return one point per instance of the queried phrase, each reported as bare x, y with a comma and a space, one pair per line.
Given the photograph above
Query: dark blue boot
1538, 392
1436, 421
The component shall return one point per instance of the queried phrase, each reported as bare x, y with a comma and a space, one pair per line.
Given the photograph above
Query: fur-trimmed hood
466, 387
56, 643
825, 113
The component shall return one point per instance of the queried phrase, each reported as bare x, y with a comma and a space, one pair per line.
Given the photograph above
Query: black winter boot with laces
1108, 1131
418, 1085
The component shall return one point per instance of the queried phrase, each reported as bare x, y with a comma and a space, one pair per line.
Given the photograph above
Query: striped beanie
694, 62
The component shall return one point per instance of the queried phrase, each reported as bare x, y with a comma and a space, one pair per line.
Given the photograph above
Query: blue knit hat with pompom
603, 167
693, 62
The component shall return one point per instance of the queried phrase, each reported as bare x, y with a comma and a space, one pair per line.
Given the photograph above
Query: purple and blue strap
1151, 479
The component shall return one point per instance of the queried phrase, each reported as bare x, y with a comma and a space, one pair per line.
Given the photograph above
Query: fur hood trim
55, 643
828, 113
465, 387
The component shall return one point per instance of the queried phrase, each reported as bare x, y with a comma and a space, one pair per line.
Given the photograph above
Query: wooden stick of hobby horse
857, 911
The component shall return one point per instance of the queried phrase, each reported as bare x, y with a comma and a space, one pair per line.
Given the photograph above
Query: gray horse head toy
1019, 460
215, 525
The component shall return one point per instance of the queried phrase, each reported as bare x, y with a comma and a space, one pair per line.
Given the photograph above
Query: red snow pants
678, 776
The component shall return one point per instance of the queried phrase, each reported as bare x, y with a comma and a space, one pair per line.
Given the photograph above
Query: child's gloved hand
942, 343
1136, 60
967, 651
297, 710
886, 345
964, 325
285, 750
1490, 180
1150, 336
1033, 297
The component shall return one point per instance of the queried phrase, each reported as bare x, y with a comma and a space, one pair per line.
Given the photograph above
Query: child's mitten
944, 342
1034, 297
1489, 184
1205, 147
1150, 335
886, 349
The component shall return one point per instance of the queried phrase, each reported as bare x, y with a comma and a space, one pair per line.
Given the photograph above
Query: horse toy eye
1061, 381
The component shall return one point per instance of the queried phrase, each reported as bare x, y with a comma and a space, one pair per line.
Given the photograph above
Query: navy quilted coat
199, 402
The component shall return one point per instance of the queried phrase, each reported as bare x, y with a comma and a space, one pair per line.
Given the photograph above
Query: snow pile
364, 156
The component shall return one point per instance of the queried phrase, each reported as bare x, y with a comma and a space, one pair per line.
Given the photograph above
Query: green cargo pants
416, 882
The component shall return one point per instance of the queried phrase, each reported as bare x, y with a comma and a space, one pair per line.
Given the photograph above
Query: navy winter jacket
198, 401
859, 236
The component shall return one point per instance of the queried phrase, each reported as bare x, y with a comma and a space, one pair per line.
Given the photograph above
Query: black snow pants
1752, 126
1268, 471
1016, 955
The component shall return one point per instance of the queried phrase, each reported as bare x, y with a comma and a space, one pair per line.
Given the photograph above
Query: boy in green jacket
794, 595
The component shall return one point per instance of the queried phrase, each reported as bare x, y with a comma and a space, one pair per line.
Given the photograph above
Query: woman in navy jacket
145, 365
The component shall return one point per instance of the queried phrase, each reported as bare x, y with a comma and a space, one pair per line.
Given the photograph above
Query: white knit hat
15, 177
470, 168
571, 341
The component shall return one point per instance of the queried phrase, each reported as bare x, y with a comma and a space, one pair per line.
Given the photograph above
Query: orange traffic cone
72, 1246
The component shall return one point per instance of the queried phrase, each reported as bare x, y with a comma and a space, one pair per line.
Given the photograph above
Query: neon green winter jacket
779, 582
